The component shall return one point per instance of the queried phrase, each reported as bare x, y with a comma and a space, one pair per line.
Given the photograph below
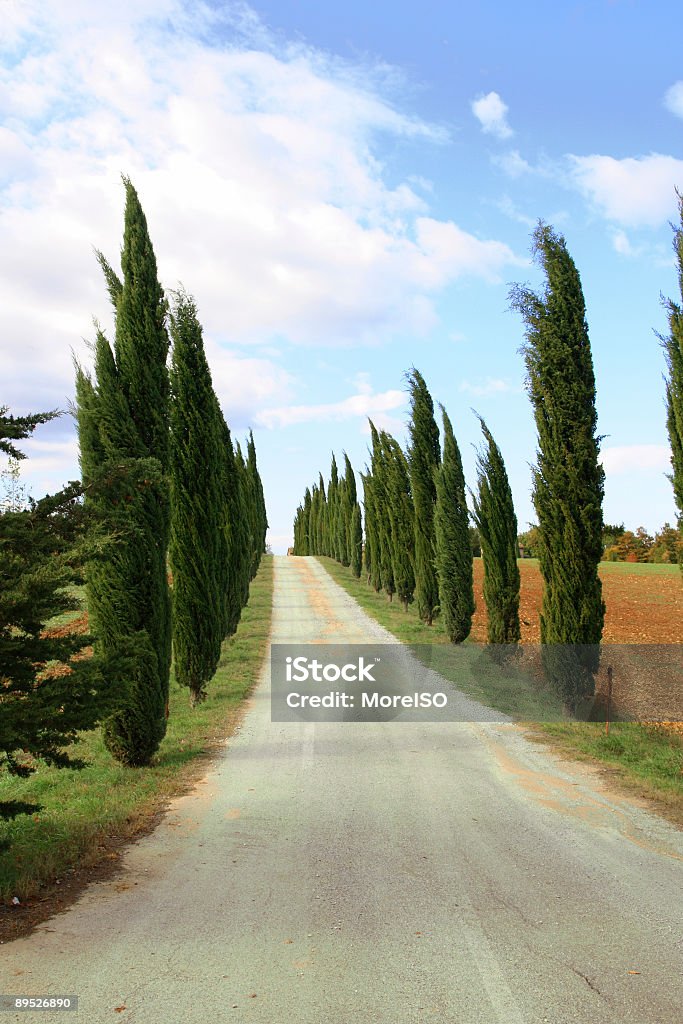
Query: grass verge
83, 811
642, 759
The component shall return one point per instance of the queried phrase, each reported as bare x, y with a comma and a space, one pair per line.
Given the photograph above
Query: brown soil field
641, 608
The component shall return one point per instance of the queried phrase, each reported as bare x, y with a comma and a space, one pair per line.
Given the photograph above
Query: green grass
82, 808
644, 759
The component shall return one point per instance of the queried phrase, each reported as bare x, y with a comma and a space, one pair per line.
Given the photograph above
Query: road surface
388, 872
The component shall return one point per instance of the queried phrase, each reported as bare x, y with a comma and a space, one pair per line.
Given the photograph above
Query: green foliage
382, 520
50, 688
198, 545
568, 477
123, 431
673, 349
424, 456
356, 541
401, 518
453, 551
494, 514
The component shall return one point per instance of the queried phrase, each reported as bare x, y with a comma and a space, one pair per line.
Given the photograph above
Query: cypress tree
568, 477
453, 549
382, 521
322, 516
306, 523
424, 456
401, 519
197, 506
244, 540
372, 553
673, 349
260, 524
123, 417
356, 541
349, 501
494, 514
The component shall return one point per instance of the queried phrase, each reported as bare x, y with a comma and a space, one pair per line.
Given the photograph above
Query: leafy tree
568, 477
630, 547
51, 689
673, 349
529, 543
123, 419
494, 514
424, 456
667, 546
475, 542
611, 533
453, 551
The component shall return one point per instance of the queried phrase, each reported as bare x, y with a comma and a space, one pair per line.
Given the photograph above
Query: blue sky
347, 190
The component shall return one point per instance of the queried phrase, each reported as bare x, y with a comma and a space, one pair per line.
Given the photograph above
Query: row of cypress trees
158, 462
329, 522
417, 542
568, 488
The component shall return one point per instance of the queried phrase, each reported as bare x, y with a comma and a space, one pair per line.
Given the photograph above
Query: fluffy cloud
673, 99
491, 386
631, 458
633, 191
362, 405
257, 166
491, 113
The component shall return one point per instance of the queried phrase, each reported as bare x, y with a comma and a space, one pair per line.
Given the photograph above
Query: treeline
622, 545
417, 540
328, 522
166, 529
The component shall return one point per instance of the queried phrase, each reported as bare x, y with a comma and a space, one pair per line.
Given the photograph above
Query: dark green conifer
380, 490
453, 549
198, 512
356, 541
494, 514
401, 519
123, 417
673, 349
568, 477
424, 456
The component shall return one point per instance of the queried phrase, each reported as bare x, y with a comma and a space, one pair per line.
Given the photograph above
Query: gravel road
386, 872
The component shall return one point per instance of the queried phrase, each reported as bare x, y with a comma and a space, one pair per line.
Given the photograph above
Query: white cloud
491, 113
491, 386
361, 405
673, 99
512, 163
633, 191
257, 164
635, 457
446, 252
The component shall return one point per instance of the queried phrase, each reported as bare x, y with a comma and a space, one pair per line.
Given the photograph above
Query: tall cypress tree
349, 501
260, 523
568, 477
244, 540
381, 496
453, 548
424, 456
122, 417
494, 514
197, 549
372, 548
401, 519
356, 541
673, 348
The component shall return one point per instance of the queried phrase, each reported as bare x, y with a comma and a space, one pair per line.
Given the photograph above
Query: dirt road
386, 872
